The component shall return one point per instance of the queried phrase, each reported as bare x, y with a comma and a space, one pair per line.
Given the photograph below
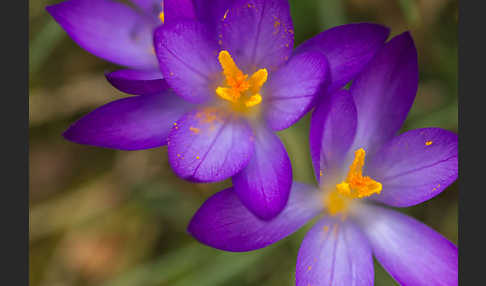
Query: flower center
355, 186
240, 89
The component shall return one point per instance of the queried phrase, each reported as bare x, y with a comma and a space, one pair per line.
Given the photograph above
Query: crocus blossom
246, 83
121, 34
234, 79
359, 163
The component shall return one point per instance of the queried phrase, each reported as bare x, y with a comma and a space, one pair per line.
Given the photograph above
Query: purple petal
264, 184
258, 33
137, 81
415, 166
188, 59
332, 130
291, 90
209, 145
109, 30
384, 92
411, 252
175, 10
132, 123
150, 7
223, 222
211, 12
348, 49
334, 253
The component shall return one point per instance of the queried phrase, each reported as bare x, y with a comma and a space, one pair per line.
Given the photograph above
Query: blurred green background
118, 218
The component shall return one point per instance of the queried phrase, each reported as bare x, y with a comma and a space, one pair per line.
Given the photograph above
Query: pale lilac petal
348, 49
264, 184
132, 123
334, 253
410, 251
109, 30
223, 222
188, 59
415, 166
332, 130
292, 89
137, 81
384, 92
209, 145
150, 7
258, 33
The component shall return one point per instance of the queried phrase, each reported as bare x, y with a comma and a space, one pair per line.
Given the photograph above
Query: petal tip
109, 76
385, 29
74, 134
54, 11
406, 40
50, 9
265, 209
70, 134
269, 212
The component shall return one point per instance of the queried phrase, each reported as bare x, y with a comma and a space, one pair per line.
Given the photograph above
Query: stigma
354, 186
239, 88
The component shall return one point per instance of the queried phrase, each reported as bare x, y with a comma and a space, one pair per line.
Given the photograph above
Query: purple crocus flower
359, 161
237, 81
123, 35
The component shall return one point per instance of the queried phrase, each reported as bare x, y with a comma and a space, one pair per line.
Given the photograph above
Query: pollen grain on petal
436, 188
194, 130
276, 25
428, 143
210, 115
152, 50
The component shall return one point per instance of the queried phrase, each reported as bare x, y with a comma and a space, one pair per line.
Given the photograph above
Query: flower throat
354, 186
